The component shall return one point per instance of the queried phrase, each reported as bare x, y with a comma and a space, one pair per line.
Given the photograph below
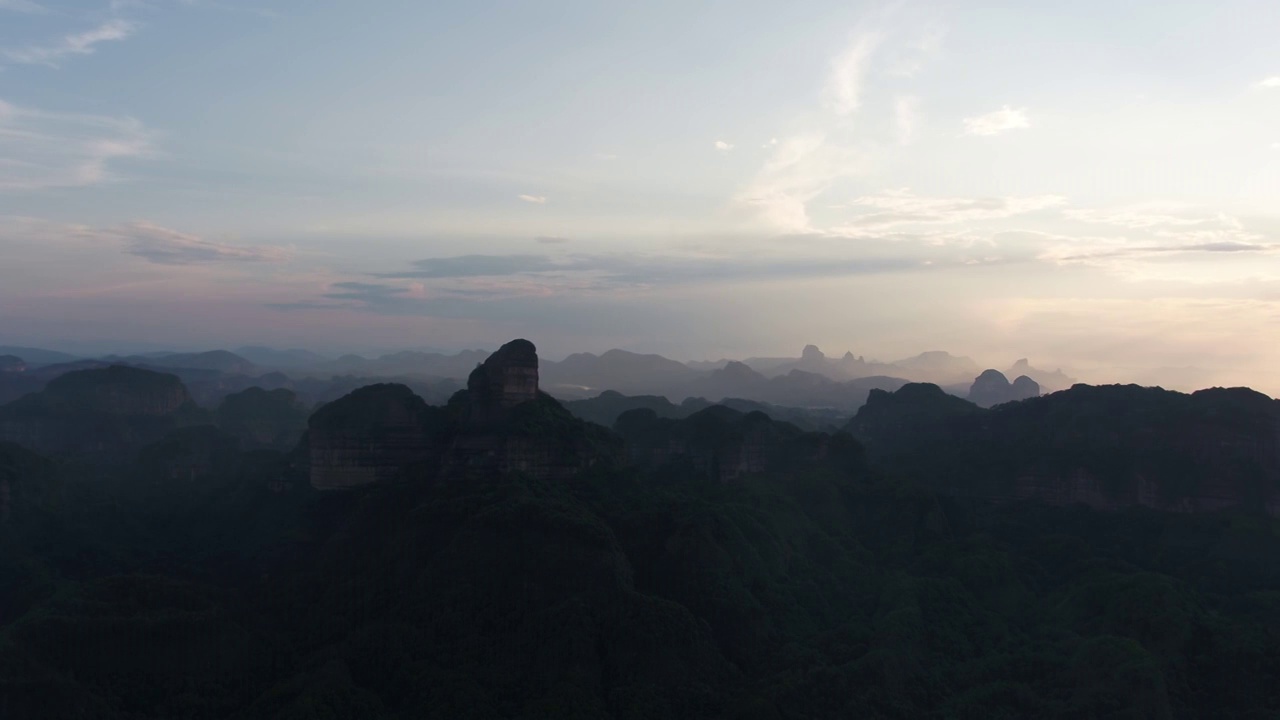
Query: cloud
1275, 146
1153, 216
449, 284
535, 199
1270, 83
843, 92
723, 146
906, 115
801, 168
995, 123
1073, 253
22, 6
824, 151
465, 266
551, 240
77, 44
163, 246
889, 209
40, 149
773, 143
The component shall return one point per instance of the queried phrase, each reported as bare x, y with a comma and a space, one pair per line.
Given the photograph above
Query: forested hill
499, 558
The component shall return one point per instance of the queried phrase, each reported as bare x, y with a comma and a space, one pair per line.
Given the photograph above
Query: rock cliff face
992, 388
723, 444
369, 436
117, 390
108, 412
505, 379
1106, 447
509, 425
500, 424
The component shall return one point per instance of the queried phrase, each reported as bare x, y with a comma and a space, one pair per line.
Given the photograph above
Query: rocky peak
990, 388
993, 388
735, 370
116, 390
368, 436
1024, 387
811, 353
505, 379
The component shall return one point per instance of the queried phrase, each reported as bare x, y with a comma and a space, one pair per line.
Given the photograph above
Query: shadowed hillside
496, 556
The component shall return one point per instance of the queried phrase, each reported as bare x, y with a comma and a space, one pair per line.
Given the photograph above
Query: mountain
993, 388
724, 445
501, 423
272, 358
263, 418
12, 364
796, 388
617, 370
496, 557
108, 412
27, 485
937, 366
1107, 447
218, 360
36, 356
1048, 381
605, 409
405, 364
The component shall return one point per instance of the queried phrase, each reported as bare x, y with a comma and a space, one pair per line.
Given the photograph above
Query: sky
1093, 185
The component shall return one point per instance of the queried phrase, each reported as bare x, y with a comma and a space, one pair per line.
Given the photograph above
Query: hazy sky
1091, 184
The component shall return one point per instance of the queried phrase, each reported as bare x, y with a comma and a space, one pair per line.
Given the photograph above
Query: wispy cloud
141, 238
1270, 83
723, 146
906, 115
535, 199
23, 6
84, 43
164, 246
1154, 216
893, 208
848, 72
801, 168
824, 151
998, 122
457, 285
1077, 252
41, 149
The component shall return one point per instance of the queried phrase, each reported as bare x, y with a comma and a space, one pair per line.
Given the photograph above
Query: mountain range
1101, 551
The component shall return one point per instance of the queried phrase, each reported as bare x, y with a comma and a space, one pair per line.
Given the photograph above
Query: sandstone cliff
1107, 447
368, 436
107, 412
506, 424
500, 424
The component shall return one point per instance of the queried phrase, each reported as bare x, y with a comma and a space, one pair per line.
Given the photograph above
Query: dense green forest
806, 593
